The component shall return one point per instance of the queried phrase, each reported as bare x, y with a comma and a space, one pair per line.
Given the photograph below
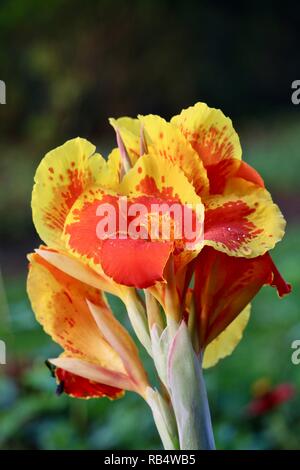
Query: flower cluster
193, 162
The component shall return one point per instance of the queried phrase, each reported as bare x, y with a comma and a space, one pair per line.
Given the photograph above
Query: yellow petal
210, 133
110, 176
224, 344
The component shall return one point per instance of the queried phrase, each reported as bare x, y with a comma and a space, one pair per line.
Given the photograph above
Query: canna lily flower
195, 160
240, 218
128, 258
99, 358
103, 223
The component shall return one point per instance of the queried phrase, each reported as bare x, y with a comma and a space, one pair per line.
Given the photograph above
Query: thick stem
188, 394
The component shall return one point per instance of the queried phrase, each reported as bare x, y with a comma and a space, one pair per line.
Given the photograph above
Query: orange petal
225, 343
225, 285
131, 262
157, 178
138, 263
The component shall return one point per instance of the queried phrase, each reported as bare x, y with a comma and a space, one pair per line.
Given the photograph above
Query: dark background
68, 66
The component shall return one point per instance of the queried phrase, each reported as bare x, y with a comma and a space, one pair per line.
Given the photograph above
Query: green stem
138, 318
164, 419
188, 394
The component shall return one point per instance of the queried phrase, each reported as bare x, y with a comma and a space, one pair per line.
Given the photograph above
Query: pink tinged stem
143, 143
126, 163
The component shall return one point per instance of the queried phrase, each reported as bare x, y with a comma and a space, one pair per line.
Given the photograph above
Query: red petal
224, 285
79, 387
276, 280
248, 173
219, 173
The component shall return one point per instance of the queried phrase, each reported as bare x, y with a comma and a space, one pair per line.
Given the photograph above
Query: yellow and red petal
79, 387
152, 134
63, 174
134, 261
59, 303
158, 179
210, 133
166, 142
129, 262
225, 285
243, 221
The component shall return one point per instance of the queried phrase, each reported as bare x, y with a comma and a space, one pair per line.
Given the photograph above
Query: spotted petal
243, 221
165, 141
59, 303
210, 133
63, 174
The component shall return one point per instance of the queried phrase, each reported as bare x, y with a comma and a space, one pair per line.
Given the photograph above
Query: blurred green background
68, 66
